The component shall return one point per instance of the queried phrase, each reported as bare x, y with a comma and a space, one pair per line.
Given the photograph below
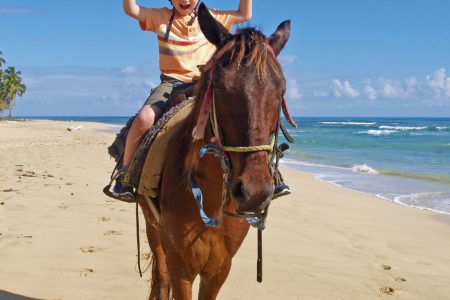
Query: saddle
153, 146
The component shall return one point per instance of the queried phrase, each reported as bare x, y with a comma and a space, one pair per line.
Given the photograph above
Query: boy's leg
152, 110
142, 123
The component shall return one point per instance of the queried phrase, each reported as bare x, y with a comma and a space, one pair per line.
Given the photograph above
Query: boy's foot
281, 189
122, 191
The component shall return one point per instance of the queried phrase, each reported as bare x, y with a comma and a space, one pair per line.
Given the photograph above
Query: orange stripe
176, 42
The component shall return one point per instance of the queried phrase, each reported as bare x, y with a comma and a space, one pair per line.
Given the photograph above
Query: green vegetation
11, 86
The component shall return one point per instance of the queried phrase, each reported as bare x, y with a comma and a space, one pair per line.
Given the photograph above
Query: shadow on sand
4, 295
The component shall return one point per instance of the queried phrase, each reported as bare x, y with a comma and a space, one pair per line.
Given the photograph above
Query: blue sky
344, 58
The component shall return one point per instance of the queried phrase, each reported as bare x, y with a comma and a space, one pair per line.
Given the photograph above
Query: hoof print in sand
112, 232
86, 271
24, 236
400, 279
386, 267
27, 173
387, 290
90, 249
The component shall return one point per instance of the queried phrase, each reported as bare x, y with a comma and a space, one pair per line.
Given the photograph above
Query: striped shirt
186, 47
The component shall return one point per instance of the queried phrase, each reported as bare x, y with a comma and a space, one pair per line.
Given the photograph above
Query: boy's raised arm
244, 12
133, 10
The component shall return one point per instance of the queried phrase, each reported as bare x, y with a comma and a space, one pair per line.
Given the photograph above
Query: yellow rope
252, 148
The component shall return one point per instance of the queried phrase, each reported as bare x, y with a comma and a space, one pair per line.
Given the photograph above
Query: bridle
216, 147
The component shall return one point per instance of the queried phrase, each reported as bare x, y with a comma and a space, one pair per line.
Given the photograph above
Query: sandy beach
61, 238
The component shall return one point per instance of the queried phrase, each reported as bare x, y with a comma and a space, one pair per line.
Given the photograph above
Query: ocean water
403, 160
107, 120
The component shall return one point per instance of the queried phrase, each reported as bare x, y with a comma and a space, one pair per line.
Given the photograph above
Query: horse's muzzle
251, 195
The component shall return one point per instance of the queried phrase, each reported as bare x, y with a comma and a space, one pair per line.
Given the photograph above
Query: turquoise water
107, 120
404, 160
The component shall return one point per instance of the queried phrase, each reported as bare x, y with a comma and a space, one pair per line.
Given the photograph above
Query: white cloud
320, 94
293, 91
390, 88
435, 87
370, 92
81, 91
129, 70
343, 89
438, 84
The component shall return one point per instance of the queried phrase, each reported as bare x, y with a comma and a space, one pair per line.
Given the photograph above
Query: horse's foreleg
160, 281
211, 282
182, 289
181, 276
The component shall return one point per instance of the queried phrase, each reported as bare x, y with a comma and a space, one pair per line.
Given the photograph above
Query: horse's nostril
237, 190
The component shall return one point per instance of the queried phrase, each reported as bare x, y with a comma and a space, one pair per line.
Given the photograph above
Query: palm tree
2, 61
2, 98
12, 87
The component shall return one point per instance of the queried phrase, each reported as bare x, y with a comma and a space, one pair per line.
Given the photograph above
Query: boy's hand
133, 10
244, 12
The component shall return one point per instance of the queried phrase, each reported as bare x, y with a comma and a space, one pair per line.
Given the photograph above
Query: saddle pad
133, 175
150, 178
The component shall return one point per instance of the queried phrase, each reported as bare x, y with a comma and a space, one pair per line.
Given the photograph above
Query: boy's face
184, 7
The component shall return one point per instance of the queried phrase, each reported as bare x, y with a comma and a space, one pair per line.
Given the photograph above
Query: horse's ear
214, 32
280, 37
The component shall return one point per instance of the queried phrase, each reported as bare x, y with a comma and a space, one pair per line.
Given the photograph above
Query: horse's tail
155, 283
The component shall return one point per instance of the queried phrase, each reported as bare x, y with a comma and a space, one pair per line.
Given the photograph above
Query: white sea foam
378, 132
349, 123
364, 169
403, 191
441, 128
403, 128
297, 162
434, 201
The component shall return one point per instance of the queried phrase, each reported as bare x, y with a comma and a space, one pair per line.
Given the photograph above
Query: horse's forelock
251, 49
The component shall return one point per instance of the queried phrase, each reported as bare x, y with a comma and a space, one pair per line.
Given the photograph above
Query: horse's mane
249, 50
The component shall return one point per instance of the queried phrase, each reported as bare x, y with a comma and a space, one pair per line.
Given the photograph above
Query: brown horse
247, 84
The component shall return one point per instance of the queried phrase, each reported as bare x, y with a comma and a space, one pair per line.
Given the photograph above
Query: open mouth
185, 6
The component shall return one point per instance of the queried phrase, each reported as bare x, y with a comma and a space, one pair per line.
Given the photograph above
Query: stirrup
128, 197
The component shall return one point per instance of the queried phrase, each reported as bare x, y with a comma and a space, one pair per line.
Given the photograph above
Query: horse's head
248, 88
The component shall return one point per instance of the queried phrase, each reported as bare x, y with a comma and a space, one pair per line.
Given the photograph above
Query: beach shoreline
321, 242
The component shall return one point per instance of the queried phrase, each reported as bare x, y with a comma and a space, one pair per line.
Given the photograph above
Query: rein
208, 111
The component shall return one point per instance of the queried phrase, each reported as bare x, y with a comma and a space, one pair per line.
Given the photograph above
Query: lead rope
137, 238
259, 269
259, 262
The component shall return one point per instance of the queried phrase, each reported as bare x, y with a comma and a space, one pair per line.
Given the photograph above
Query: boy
182, 47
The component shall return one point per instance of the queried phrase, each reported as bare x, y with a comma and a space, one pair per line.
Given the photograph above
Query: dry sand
61, 238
